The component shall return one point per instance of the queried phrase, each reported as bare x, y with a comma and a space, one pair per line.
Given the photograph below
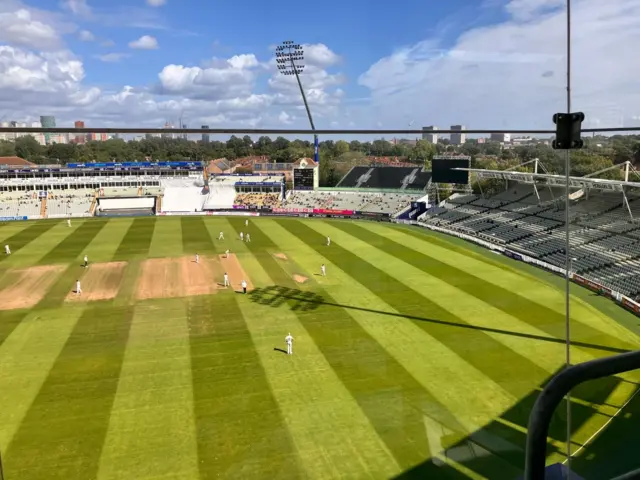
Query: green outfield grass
417, 356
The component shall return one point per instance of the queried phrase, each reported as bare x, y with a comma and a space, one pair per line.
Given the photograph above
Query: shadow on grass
305, 301
497, 450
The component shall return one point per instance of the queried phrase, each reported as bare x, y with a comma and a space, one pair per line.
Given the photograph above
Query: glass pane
382, 195
604, 247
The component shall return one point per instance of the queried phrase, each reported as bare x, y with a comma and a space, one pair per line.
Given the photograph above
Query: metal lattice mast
289, 57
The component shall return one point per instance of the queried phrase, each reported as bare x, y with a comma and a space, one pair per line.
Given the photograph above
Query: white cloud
112, 57
512, 75
220, 79
31, 80
107, 43
19, 27
77, 7
320, 55
146, 42
86, 36
156, 3
508, 75
284, 118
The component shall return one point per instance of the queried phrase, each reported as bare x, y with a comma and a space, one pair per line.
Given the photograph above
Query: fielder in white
241, 236
86, 261
246, 223
248, 237
68, 222
221, 236
323, 270
289, 341
328, 241
226, 254
226, 279
244, 286
78, 288
197, 258
7, 250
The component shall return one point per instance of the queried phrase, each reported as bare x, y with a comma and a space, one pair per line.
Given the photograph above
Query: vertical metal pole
568, 240
306, 106
316, 154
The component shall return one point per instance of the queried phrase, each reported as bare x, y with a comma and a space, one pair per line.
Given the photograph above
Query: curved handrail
552, 395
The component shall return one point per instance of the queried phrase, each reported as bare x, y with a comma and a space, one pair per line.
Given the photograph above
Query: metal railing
551, 396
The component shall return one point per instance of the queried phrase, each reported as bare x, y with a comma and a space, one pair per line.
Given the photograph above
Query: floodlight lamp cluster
288, 58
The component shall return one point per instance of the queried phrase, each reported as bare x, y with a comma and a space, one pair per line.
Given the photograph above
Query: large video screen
442, 170
303, 178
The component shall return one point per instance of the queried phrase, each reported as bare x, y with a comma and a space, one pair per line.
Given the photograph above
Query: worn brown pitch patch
178, 277
100, 281
27, 286
236, 273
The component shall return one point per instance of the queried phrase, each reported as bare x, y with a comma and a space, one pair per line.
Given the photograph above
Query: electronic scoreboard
303, 178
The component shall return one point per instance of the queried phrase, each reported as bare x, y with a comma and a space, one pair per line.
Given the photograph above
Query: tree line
336, 157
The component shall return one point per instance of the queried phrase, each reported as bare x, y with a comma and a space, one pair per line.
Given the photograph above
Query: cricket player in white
241, 236
78, 289
244, 286
68, 222
7, 250
221, 236
246, 223
289, 341
197, 258
86, 261
323, 270
328, 241
248, 238
226, 279
226, 254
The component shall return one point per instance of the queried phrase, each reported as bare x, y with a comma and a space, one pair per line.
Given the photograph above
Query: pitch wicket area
178, 277
24, 288
100, 281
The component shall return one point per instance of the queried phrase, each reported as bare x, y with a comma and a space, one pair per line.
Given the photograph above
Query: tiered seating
119, 192
69, 202
355, 201
19, 204
622, 277
604, 240
258, 200
406, 178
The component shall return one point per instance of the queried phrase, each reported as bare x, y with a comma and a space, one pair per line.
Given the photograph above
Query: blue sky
190, 31
485, 64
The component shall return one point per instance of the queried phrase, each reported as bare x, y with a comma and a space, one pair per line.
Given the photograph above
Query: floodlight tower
289, 57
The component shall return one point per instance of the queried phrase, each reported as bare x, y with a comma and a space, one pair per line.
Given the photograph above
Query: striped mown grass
417, 356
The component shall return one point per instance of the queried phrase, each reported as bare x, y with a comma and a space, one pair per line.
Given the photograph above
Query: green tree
27, 147
7, 148
341, 147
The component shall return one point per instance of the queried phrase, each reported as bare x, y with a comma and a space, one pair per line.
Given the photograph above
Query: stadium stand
182, 195
373, 202
404, 178
69, 202
258, 200
19, 204
604, 237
